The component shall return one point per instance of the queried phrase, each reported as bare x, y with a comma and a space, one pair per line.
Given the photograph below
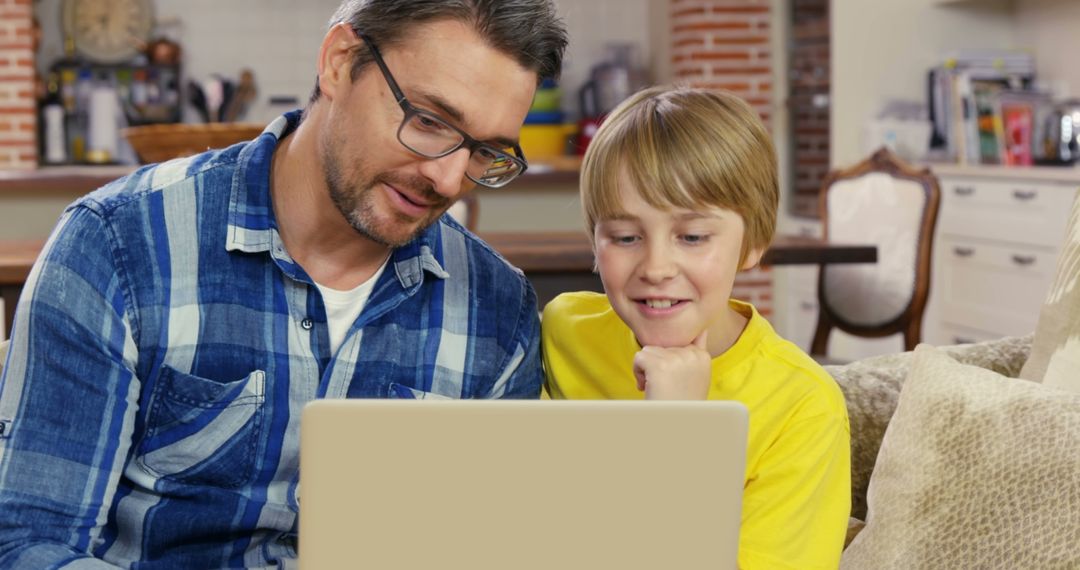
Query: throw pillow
872, 387
976, 470
1055, 354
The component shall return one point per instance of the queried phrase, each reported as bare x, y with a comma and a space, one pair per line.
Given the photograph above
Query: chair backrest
893, 205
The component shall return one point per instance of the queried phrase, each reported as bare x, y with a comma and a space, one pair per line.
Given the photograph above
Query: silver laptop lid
521, 484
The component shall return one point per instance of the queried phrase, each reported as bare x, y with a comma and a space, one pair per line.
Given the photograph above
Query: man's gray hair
529, 31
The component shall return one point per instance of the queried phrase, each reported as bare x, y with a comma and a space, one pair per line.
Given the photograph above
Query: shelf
561, 172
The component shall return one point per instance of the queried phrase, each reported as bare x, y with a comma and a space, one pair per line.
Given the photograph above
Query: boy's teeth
658, 304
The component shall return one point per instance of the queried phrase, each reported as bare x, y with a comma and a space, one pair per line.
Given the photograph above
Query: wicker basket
156, 143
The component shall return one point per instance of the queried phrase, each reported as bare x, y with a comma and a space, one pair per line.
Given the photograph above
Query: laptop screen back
521, 484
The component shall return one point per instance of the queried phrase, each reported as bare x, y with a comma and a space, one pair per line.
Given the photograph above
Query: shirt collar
252, 226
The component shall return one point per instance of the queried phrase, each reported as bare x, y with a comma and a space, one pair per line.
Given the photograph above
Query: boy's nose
447, 173
659, 264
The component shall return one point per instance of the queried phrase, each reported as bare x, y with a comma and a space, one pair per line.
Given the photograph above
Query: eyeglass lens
430, 136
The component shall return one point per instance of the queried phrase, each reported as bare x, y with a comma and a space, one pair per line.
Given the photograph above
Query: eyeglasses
429, 136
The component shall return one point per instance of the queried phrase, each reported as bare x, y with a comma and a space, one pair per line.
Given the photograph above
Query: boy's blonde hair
685, 148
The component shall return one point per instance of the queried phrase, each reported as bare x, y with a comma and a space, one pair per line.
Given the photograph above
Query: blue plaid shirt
165, 345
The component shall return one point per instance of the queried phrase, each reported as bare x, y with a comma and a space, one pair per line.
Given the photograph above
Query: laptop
478, 485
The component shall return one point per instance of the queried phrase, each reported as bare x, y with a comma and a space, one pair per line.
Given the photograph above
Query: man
180, 317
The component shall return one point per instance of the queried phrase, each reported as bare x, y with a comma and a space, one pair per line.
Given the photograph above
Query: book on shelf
968, 118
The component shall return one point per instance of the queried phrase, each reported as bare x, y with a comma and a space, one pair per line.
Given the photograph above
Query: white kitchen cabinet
996, 245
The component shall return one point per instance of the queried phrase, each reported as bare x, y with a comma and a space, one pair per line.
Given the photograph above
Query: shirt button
307, 324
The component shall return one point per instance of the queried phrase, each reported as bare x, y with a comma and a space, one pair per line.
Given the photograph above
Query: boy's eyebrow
621, 217
688, 216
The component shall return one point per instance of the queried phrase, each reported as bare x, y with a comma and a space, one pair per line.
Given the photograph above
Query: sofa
968, 456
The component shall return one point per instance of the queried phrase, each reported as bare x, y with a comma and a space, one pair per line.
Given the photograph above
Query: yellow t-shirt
797, 496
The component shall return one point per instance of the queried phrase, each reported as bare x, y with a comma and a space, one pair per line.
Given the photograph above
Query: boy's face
669, 273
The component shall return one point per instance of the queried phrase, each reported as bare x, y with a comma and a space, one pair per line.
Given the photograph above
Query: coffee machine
610, 81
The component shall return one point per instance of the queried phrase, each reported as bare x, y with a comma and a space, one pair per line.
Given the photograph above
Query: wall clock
108, 31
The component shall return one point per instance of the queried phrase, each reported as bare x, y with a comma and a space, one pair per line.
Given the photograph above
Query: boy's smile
669, 272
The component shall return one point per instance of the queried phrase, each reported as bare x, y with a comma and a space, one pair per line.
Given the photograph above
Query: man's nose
447, 173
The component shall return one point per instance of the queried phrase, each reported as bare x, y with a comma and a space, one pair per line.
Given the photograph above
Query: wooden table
563, 261
16, 258
553, 261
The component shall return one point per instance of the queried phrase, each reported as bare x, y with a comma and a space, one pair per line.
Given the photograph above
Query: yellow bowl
545, 141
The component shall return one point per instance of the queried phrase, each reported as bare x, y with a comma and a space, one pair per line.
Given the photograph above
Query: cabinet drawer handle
963, 251
1023, 260
964, 190
807, 306
1025, 195
963, 340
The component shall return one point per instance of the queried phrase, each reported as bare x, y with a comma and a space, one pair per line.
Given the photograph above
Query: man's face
669, 272
385, 191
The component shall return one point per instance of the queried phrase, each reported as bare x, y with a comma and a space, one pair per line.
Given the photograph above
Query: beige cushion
1055, 354
872, 386
976, 471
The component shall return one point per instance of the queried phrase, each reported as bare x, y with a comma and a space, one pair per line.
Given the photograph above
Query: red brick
740, 41
740, 69
720, 55
688, 42
740, 9
687, 12
712, 26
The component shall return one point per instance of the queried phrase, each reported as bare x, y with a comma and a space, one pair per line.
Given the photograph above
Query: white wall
1050, 28
279, 39
882, 49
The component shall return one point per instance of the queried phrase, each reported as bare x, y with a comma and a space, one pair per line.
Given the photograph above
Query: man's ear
752, 258
336, 59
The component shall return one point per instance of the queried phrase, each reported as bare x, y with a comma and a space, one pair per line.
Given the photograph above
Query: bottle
54, 141
103, 121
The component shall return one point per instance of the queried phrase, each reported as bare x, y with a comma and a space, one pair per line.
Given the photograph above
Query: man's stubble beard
356, 200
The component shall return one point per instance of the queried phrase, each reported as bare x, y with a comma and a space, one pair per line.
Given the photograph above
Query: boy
679, 189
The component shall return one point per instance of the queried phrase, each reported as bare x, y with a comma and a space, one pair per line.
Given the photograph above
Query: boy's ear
752, 258
336, 59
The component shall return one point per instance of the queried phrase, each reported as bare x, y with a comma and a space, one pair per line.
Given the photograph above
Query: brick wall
725, 44
18, 115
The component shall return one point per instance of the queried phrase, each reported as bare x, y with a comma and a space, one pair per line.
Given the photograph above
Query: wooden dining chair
883, 201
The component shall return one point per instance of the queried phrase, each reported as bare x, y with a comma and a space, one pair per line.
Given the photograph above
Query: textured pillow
1055, 354
976, 471
872, 386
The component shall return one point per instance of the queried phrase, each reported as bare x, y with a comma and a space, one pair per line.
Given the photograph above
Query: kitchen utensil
242, 98
214, 91
1061, 134
611, 81
198, 100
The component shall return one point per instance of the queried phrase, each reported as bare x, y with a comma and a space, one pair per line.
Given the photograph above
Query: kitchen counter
554, 173
1008, 173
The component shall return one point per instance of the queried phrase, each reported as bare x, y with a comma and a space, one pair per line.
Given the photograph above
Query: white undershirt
343, 307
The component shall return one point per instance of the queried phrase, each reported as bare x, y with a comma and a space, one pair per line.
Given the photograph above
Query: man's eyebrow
444, 107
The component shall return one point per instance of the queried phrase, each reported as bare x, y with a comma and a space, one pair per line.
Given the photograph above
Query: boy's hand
679, 373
